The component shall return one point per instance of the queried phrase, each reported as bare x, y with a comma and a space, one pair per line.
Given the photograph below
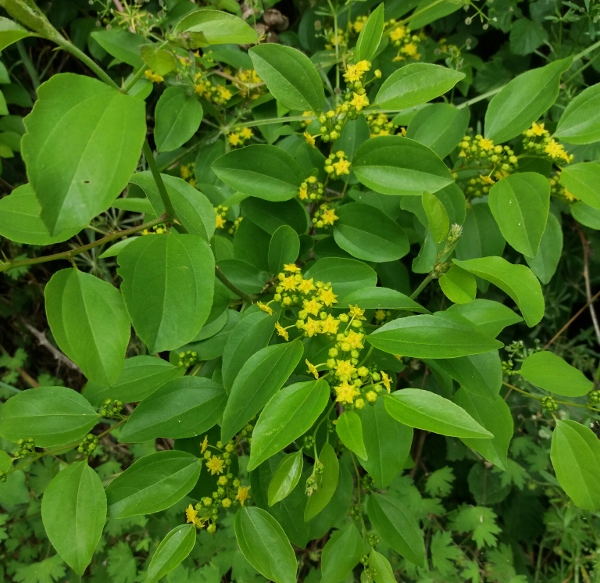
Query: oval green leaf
284, 247
349, 430
178, 116
370, 35
580, 121
213, 27
341, 554
171, 551
382, 298
327, 483
286, 477
582, 180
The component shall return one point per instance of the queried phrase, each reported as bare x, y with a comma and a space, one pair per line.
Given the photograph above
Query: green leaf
265, 545
11, 32
326, 482
20, 219
5, 461
290, 76
183, 407
89, 322
481, 236
428, 11
526, 36
581, 180
517, 281
586, 215
73, 513
250, 335
550, 372
437, 217
168, 283
416, 83
153, 483
269, 216
262, 171
286, 477
580, 121
141, 376
50, 415
349, 430
122, 44
212, 27
545, 262
430, 412
458, 285
275, 429
428, 336
96, 121
367, 233
376, 298
383, 570
345, 275
495, 416
160, 61
397, 528
341, 554
370, 36
490, 317
178, 116
520, 205
261, 376
575, 456
171, 551
284, 248
387, 443
523, 101
398, 165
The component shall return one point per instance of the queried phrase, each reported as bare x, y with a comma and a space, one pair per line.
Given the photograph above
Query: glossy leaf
76, 184
437, 217
581, 180
168, 283
341, 554
523, 101
550, 372
262, 171
345, 275
383, 570
265, 545
283, 248
545, 262
580, 121
286, 477
327, 483
153, 483
73, 513
370, 35
490, 317
517, 281
11, 32
89, 322
124, 45
367, 233
458, 285
50, 415
428, 336
275, 429
261, 376
481, 236
349, 430
426, 410
213, 27
183, 407
178, 116
416, 83
586, 215
376, 298
269, 216
171, 551
397, 528
520, 205
290, 76
397, 165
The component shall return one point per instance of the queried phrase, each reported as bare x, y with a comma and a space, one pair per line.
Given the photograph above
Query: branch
586, 278
58, 355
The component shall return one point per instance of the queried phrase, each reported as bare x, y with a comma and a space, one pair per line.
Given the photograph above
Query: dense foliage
299, 293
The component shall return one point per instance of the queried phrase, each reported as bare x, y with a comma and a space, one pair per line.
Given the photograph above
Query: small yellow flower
310, 139
234, 139
386, 380
303, 192
356, 313
311, 327
359, 102
289, 283
291, 267
486, 144
537, 129
312, 369
220, 223
204, 445
224, 92
410, 50
265, 308
311, 306
306, 286
487, 179
342, 167
153, 77
215, 465
329, 217
329, 325
327, 297
345, 393
354, 339
398, 33
282, 331
363, 66
352, 73
246, 133
556, 151
344, 368
190, 514
242, 494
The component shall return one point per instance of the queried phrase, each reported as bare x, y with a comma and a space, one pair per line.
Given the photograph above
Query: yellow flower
354, 339
329, 325
234, 139
306, 286
215, 465
220, 224
190, 514
265, 308
398, 33
380, 315
386, 380
537, 129
204, 445
352, 73
199, 88
282, 331
342, 166
303, 192
225, 93
487, 179
242, 494
486, 144
344, 368
311, 327
345, 393
153, 77
329, 217
569, 195
309, 139
289, 283
312, 307
327, 296
356, 313
556, 151
291, 267
312, 369
359, 102
410, 49
246, 133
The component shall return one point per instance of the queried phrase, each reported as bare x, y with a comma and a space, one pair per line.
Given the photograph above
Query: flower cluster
338, 168
221, 213
25, 447
324, 216
156, 230
186, 171
537, 140
559, 191
187, 358
402, 38
381, 125
153, 77
111, 409
249, 84
311, 190
218, 93
239, 137
332, 39
88, 445
549, 404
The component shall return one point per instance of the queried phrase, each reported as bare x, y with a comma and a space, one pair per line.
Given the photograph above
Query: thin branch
586, 277
58, 355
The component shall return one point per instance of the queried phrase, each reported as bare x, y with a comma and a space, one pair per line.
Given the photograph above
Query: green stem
162, 190
35, 80
538, 398
586, 51
238, 292
68, 255
481, 97
134, 79
9, 387
423, 285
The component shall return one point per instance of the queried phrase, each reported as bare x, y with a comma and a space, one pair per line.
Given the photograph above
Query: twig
417, 457
58, 355
586, 277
